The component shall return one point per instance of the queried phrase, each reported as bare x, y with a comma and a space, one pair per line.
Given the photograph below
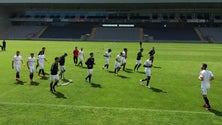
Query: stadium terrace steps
212, 34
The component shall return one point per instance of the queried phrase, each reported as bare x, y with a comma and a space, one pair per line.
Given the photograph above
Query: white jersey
17, 60
107, 54
148, 63
41, 59
124, 57
118, 58
81, 55
31, 61
206, 75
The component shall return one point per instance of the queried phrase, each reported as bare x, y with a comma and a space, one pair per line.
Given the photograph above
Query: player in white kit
31, 66
107, 55
16, 64
41, 60
205, 77
117, 64
147, 65
81, 57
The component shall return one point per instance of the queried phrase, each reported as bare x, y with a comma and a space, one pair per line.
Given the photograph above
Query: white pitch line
107, 108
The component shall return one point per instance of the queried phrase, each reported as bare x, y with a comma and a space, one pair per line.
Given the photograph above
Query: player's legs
89, 75
204, 95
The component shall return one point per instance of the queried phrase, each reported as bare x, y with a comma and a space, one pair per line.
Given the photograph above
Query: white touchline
108, 108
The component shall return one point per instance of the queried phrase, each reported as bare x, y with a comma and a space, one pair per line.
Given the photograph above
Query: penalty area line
101, 108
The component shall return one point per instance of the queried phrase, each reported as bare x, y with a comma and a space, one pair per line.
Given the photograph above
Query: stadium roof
110, 1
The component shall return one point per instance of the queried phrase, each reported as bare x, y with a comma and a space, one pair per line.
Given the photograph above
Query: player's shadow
20, 83
123, 77
129, 70
216, 112
34, 83
158, 67
94, 85
157, 90
59, 95
141, 72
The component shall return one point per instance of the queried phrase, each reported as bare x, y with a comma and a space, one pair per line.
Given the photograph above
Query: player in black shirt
138, 60
62, 65
90, 62
54, 78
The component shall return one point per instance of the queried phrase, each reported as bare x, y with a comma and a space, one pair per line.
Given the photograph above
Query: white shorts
54, 78
41, 65
204, 89
123, 60
62, 68
90, 71
17, 68
117, 65
81, 58
31, 69
107, 60
138, 61
148, 71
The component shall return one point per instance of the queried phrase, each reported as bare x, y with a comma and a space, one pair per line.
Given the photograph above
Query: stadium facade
147, 17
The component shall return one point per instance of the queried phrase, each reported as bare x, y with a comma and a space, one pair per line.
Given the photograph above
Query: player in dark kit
54, 78
138, 60
90, 62
62, 65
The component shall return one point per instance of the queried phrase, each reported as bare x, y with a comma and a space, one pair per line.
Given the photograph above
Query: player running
147, 65
16, 64
107, 55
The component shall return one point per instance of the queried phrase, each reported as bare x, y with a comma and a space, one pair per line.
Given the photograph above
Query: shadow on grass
34, 83
157, 90
19, 83
216, 112
158, 67
124, 77
94, 85
129, 70
141, 72
59, 95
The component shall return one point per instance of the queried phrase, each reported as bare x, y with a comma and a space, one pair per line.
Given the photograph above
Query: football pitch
173, 99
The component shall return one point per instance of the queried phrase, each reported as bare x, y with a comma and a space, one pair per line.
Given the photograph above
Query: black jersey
139, 55
152, 52
90, 62
62, 60
54, 68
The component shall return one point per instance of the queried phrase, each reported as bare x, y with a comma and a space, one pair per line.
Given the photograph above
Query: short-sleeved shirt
31, 61
75, 53
54, 68
107, 54
17, 60
139, 55
41, 58
62, 61
90, 63
206, 75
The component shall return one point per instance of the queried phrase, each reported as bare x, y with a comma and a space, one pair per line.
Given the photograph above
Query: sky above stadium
110, 1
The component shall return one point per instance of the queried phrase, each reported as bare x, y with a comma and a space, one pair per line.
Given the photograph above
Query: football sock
207, 101
135, 67
138, 66
17, 75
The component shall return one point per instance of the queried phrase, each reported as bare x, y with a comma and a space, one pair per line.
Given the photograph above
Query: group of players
120, 62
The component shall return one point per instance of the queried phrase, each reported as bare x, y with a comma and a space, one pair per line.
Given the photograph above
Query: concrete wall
4, 22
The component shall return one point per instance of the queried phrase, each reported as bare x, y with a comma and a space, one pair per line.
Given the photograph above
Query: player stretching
138, 60
205, 77
107, 55
17, 59
31, 66
62, 65
90, 62
147, 65
117, 64
54, 78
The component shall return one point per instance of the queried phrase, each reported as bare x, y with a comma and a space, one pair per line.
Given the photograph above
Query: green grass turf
174, 98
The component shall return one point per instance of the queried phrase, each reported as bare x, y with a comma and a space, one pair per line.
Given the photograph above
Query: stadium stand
212, 34
23, 32
117, 34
